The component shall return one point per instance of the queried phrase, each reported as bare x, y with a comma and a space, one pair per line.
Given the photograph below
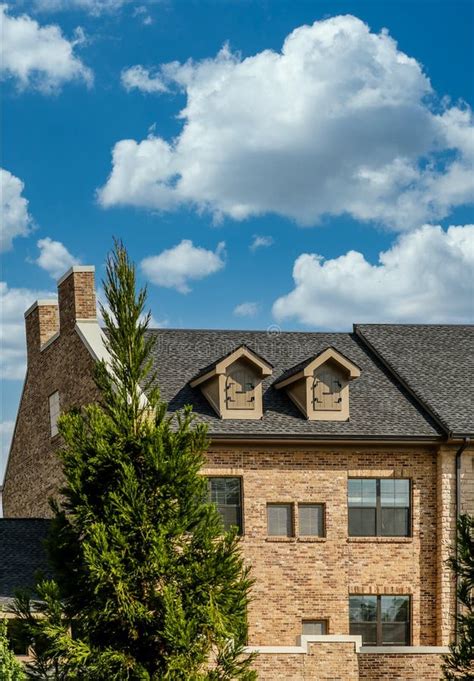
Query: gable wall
33, 472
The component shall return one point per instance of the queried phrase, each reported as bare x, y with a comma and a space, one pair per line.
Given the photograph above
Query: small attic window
320, 386
327, 387
240, 387
233, 384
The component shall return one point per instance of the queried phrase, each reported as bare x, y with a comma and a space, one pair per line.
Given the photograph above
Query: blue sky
309, 142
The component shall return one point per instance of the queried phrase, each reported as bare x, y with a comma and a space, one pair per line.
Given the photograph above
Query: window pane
314, 627
18, 641
396, 634
362, 492
362, 522
395, 608
368, 631
395, 522
226, 494
279, 519
395, 493
311, 519
362, 608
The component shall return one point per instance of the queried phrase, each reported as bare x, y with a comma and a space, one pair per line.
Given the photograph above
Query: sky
286, 163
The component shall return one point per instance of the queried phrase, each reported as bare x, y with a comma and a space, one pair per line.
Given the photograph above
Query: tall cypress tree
150, 586
459, 664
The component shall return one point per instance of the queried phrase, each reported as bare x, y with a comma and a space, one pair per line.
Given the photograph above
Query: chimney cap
76, 268
41, 303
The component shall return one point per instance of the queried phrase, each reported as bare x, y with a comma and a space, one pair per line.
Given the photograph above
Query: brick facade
296, 578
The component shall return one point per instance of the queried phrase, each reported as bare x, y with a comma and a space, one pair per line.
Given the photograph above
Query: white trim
41, 303
92, 336
76, 268
304, 642
302, 648
405, 650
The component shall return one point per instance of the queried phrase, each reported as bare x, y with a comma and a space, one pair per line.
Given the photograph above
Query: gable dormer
233, 384
320, 386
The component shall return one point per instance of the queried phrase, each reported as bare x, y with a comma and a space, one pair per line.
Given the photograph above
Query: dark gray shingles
378, 405
436, 362
22, 553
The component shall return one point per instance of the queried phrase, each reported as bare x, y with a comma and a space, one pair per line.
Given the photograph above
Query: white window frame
54, 411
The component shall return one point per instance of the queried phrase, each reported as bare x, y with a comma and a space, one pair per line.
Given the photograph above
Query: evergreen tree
148, 583
10, 668
459, 664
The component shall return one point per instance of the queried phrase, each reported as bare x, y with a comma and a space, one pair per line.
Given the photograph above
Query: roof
379, 406
22, 554
436, 362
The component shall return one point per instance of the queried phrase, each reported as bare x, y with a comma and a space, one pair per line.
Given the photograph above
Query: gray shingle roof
22, 553
379, 406
437, 364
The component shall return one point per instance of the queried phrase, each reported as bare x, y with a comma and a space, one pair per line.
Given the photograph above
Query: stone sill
380, 540
296, 540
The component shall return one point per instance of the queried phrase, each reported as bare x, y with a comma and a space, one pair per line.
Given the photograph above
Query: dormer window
240, 384
233, 384
320, 386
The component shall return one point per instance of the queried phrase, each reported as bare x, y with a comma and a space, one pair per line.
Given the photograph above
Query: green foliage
10, 668
148, 585
459, 664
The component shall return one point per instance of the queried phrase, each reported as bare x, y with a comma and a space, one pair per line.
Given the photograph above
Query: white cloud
13, 304
426, 276
140, 78
39, 57
175, 267
339, 122
16, 221
54, 257
94, 7
261, 242
246, 310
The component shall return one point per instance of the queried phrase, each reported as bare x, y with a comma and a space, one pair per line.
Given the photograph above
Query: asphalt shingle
379, 406
436, 362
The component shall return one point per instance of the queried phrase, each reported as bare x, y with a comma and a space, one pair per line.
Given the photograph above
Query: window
54, 412
17, 640
240, 387
379, 507
380, 620
327, 386
226, 494
311, 520
314, 627
280, 520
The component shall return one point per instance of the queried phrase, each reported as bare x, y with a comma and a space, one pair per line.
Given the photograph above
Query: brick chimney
76, 293
41, 323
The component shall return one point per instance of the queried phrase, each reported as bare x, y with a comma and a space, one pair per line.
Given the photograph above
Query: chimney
41, 322
76, 293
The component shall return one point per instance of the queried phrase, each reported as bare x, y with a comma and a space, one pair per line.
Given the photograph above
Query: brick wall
298, 580
63, 364
376, 667
340, 662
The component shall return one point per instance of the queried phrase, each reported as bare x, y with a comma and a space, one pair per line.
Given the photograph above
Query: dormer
320, 386
233, 384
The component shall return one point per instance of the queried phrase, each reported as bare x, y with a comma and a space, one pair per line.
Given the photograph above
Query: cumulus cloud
426, 276
140, 78
340, 121
175, 267
39, 57
16, 221
54, 257
13, 303
261, 242
246, 310
94, 7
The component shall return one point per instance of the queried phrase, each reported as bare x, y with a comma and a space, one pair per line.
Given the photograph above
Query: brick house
342, 457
